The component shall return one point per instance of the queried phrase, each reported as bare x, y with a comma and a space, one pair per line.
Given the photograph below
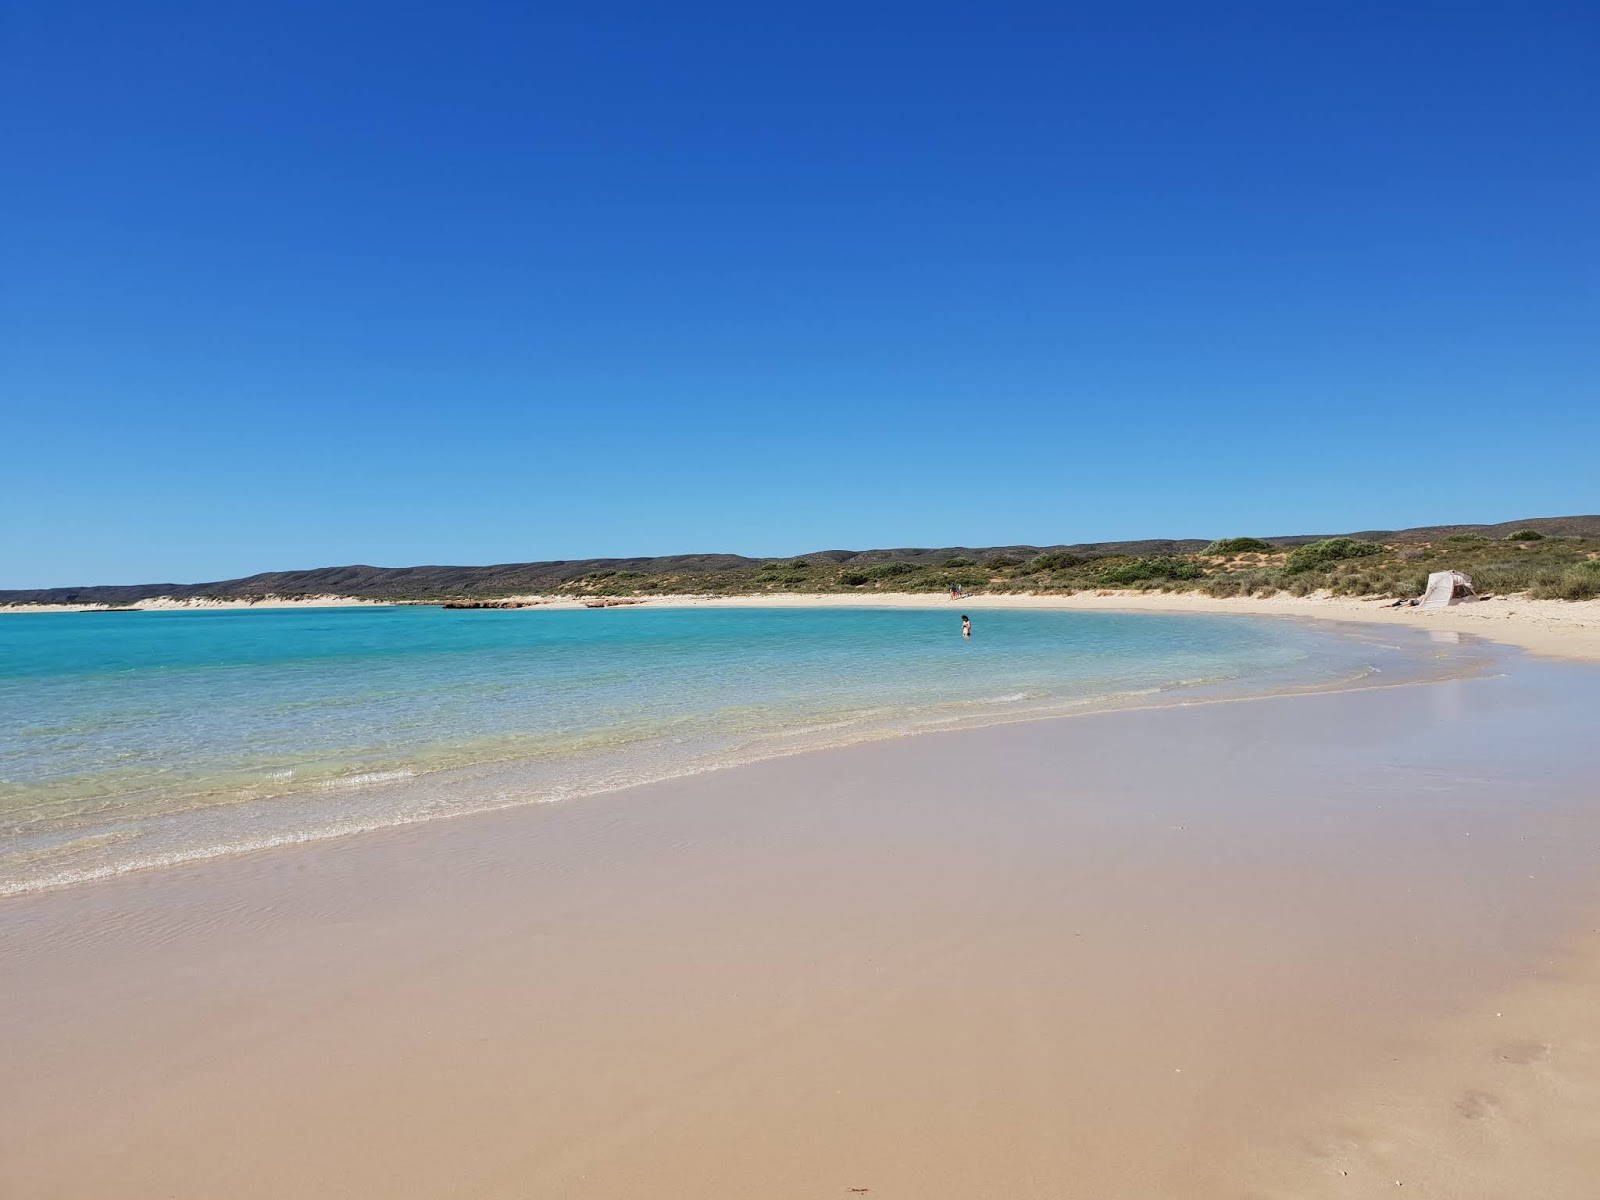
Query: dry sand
1554, 628
1304, 946
169, 604
1557, 628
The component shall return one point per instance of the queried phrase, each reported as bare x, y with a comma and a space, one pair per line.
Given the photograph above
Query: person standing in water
966, 626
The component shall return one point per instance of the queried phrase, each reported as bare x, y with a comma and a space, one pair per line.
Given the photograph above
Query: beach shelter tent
1447, 587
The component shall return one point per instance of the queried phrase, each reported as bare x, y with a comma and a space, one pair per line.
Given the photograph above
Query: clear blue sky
289, 285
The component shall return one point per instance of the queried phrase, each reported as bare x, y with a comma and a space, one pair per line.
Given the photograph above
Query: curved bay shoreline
1309, 949
422, 790
1556, 628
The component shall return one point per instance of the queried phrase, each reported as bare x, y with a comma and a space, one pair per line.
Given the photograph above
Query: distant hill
443, 582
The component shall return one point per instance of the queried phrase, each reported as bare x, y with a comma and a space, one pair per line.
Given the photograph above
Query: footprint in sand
1522, 1053
1475, 1105
1346, 1144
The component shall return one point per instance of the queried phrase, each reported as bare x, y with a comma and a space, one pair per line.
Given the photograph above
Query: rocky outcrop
492, 603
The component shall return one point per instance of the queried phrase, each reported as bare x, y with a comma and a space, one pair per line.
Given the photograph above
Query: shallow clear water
137, 739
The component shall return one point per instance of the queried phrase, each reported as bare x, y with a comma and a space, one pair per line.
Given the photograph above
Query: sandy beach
1318, 945
1557, 628
171, 604
1554, 628
704, 602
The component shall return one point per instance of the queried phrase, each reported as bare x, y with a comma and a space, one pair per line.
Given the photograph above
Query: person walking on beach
966, 626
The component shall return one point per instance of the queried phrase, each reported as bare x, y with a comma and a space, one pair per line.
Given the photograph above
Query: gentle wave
179, 762
365, 779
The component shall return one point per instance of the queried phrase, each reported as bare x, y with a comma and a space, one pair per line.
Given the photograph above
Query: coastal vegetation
1318, 556
1553, 567
1239, 545
1550, 558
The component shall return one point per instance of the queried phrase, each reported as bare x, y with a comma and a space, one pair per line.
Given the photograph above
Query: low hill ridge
503, 579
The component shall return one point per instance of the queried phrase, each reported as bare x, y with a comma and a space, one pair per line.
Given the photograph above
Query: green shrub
960, 562
1581, 582
1409, 585
853, 578
1002, 564
1239, 545
889, 570
967, 579
1466, 539
1149, 570
1525, 535
1057, 562
1317, 555
1257, 580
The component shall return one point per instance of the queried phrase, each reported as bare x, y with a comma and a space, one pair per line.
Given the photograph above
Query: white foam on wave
366, 778
68, 876
365, 804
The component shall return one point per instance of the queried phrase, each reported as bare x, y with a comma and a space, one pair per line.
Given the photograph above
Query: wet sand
1302, 946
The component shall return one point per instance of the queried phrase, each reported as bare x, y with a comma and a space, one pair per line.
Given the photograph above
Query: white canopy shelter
1446, 588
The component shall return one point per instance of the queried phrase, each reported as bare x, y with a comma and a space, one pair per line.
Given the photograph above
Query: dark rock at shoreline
491, 603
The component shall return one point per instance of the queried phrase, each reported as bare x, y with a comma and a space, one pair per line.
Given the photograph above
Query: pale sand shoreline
170, 604
1556, 628
1313, 947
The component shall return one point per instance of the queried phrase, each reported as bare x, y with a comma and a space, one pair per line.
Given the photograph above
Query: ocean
141, 739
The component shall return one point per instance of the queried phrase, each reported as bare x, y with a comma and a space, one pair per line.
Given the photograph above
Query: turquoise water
138, 739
